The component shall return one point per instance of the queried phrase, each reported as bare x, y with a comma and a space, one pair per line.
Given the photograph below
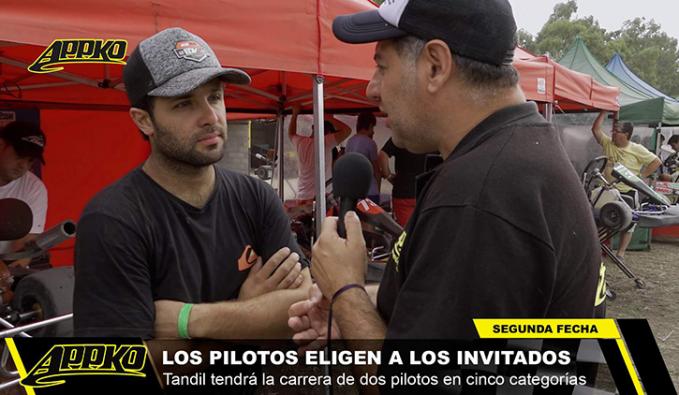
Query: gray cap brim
185, 83
364, 27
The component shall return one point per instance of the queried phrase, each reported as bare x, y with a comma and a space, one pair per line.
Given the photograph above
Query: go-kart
36, 300
616, 213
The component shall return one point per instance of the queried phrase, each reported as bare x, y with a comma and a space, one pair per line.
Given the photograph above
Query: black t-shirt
501, 229
138, 243
407, 167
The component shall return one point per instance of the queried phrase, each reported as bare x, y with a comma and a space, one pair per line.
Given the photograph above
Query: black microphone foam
351, 180
16, 219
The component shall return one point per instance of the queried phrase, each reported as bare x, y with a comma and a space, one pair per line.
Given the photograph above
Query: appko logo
67, 360
79, 50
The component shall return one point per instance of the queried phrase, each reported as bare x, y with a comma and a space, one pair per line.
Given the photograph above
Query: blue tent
618, 68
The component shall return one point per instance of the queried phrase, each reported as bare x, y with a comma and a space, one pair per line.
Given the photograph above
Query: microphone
16, 219
351, 179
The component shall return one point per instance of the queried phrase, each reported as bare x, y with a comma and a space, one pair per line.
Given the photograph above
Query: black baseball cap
483, 30
27, 139
174, 62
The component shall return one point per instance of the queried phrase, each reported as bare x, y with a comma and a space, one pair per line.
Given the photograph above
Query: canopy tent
573, 91
618, 68
282, 48
637, 106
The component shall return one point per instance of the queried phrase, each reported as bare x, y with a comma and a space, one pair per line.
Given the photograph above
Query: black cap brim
29, 151
364, 27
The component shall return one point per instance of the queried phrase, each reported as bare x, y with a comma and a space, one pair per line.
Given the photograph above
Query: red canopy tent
281, 44
574, 91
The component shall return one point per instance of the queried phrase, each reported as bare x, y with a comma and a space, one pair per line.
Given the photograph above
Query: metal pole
9, 384
281, 155
7, 325
319, 144
549, 111
35, 325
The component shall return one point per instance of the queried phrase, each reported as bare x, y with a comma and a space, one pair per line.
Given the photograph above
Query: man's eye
216, 97
182, 104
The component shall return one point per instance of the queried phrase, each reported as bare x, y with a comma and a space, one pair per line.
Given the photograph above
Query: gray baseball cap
174, 62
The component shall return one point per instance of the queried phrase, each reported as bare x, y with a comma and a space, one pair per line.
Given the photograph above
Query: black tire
50, 293
615, 215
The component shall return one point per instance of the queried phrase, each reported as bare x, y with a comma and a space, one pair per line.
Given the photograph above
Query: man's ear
438, 62
142, 119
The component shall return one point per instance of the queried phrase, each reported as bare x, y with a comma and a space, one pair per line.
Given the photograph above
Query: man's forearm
358, 320
650, 168
357, 317
262, 317
596, 126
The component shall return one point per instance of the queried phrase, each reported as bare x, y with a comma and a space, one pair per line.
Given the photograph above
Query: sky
531, 15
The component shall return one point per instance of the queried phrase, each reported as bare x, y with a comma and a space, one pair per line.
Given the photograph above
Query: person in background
21, 145
619, 148
334, 135
407, 167
362, 142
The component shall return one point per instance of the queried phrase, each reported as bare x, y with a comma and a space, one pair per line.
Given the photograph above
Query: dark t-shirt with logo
501, 229
138, 243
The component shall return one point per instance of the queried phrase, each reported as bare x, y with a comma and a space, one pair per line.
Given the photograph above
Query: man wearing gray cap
502, 228
175, 248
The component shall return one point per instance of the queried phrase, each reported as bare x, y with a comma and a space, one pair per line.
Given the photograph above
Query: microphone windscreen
16, 219
352, 176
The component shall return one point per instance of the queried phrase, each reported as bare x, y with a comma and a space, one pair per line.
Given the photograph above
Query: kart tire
50, 293
615, 215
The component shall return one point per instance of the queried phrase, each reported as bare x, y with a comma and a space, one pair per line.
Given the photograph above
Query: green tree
560, 30
649, 52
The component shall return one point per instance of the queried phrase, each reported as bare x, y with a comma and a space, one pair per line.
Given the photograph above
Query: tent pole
319, 152
280, 154
549, 111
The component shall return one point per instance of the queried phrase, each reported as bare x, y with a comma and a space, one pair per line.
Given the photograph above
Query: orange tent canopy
574, 91
280, 43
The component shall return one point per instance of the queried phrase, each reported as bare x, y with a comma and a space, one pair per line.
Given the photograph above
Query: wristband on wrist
183, 321
344, 289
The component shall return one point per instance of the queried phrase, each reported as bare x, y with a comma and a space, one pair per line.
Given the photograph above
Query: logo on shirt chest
247, 258
396, 251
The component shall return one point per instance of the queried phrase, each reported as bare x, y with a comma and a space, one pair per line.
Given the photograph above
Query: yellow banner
546, 328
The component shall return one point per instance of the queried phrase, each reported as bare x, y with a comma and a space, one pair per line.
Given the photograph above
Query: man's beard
185, 153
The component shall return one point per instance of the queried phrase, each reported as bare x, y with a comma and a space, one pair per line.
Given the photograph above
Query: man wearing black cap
173, 248
21, 144
502, 228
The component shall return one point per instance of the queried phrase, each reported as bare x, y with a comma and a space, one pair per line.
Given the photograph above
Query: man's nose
372, 91
209, 114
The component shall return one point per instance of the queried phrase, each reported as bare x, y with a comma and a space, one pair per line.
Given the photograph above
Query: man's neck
458, 124
623, 144
194, 185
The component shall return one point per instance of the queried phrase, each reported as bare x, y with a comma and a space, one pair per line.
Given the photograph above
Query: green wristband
183, 321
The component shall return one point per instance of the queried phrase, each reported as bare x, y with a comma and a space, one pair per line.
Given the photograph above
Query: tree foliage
646, 49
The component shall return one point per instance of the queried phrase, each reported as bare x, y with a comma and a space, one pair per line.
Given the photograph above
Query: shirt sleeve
645, 156
37, 201
372, 149
389, 148
275, 232
464, 263
113, 294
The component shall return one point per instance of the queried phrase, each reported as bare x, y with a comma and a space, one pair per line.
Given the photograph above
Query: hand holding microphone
351, 180
339, 256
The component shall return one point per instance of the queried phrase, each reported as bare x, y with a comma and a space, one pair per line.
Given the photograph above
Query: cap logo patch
190, 50
36, 140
